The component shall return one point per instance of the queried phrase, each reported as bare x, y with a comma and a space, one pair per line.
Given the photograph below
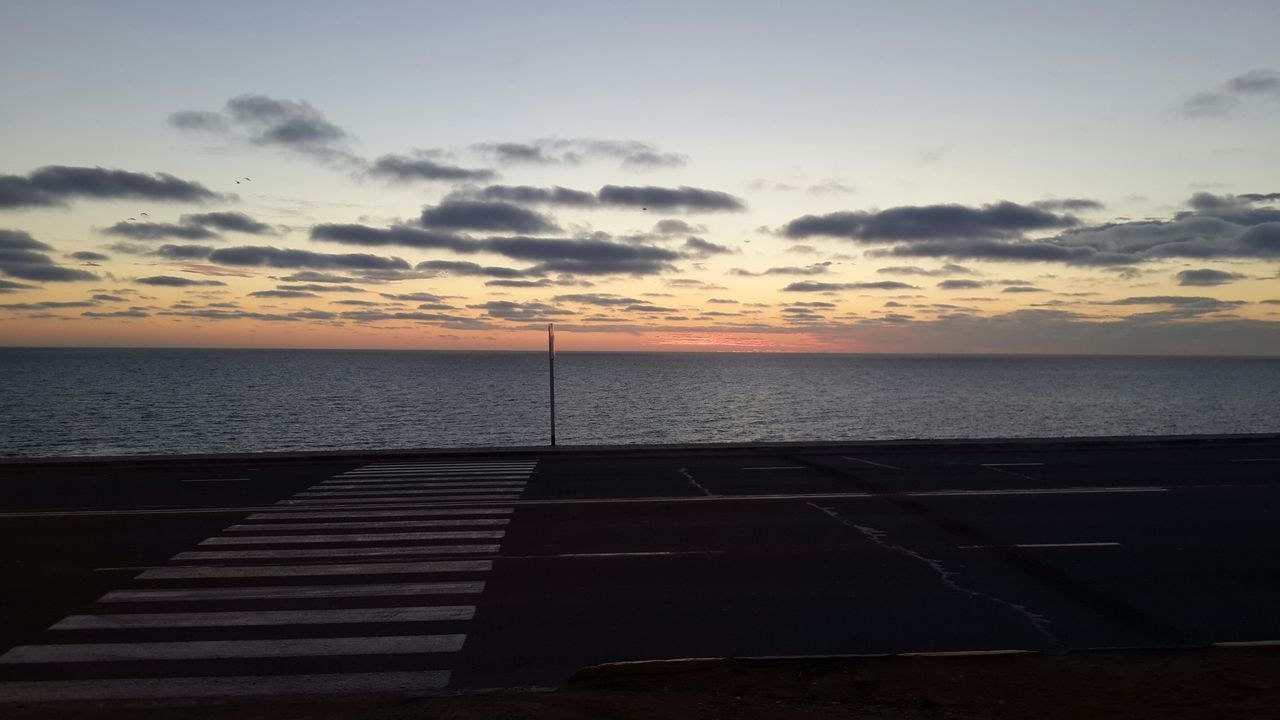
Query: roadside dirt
1135, 685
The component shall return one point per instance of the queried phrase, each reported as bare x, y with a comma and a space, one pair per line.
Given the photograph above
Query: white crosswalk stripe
414, 519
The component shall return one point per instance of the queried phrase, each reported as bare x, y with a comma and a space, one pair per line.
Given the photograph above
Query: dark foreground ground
398, 575
1133, 685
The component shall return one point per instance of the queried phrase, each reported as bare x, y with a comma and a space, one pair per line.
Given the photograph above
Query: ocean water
61, 402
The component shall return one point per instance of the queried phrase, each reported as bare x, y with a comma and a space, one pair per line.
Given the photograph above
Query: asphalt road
416, 573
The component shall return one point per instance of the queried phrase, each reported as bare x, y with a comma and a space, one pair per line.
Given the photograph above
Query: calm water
93, 402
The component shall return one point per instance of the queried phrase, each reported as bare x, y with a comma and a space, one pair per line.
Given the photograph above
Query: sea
95, 402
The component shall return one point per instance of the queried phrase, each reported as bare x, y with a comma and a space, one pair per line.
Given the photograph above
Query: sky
932, 177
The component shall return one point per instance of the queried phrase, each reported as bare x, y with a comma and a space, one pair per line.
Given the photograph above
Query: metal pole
551, 359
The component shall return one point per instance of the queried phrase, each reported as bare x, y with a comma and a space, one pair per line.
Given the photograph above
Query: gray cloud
948, 269
684, 198
48, 305
228, 222
1022, 289
171, 281
22, 256
132, 313
810, 286
1207, 277
925, 222
183, 252
675, 226
584, 257
159, 231
634, 155
55, 185
646, 160
530, 195
321, 288
199, 121
695, 247
1261, 84
406, 168
351, 234
8, 286
601, 299
468, 269
317, 277
285, 294
282, 122
821, 268
413, 297
491, 216
1069, 205
523, 312
251, 256
961, 284
88, 256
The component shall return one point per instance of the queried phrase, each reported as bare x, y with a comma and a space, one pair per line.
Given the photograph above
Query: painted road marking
1017, 464
356, 538
778, 467
292, 515
869, 462
357, 484
369, 525
233, 649
197, 572
294, 592
224, 687
217, 479
378, 500
399, 491
335, 553
1042, 545
266, 617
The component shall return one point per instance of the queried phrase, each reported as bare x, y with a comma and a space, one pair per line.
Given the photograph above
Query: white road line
196, 572
292, 515
1254, 460
1020, 464
869, 462
334, 553
382, 501
395, 477
217, 479
370, 525
778, 467
617, 554
359, 484
267, 617
1036, 491
294, 592
1042, 545
233, 649
522, 465
400, 491
355, 538
223, 687
442, 470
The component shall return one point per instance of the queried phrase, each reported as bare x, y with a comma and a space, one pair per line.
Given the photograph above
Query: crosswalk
361, 583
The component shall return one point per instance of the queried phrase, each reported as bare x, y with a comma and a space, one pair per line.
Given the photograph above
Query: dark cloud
647, 160
695, 247
413, 297
87, 256
1207, 277
584, 256
406, 168
1022, 289
490, 216
320, 288
948, 269
684, 198
925, 222
530, 195
251, 256
691, 283
8, 286
183, 252
22, 256
810, 286
821, 268
351, 234
540, 282
523, 312
102, 297
317, 277
601, 299
55, 185
172, 281
1261, 84
282, 122
1069, 205
282, 294
961, 284
132, 313
49, 305
468, 269
510, 153
159, 231
228, 222
675, 226
199, 121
